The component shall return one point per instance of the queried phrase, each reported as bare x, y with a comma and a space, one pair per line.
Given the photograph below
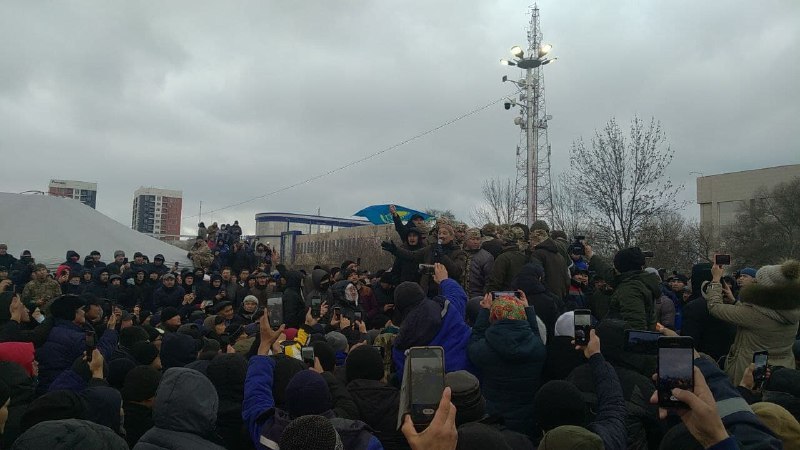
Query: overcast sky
229, 100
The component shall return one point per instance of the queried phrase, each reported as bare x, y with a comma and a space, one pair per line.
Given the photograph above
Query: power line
360, 160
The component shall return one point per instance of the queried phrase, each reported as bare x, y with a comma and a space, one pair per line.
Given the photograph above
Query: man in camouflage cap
41, 289
510, 261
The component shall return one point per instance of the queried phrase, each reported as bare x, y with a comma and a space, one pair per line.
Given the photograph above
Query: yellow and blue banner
380, 215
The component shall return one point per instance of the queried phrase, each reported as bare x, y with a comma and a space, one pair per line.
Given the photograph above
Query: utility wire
360, 160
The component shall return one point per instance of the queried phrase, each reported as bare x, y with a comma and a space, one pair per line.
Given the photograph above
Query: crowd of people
146, 355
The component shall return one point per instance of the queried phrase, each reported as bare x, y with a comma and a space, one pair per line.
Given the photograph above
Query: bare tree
768, 228
569, 212
501, 203
623, 182
437, 213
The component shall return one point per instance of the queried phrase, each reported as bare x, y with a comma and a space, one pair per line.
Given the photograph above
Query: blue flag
380, 215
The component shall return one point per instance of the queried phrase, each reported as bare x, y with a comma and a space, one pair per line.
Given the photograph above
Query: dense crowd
147, 355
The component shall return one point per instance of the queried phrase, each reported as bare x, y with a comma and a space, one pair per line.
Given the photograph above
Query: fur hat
776, 287
64, 307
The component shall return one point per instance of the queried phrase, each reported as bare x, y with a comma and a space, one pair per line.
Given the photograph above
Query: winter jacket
184, 414
506, 266
294, 307
510, 356
633, 299
377, 405
406, 269
453, 335
138, 420
711, 335
576, 297
766, 318
665, 310
22, 388
609, 420
163, 296
556, 274
453, 258
66, 343
479, 267
265, 422
739, 420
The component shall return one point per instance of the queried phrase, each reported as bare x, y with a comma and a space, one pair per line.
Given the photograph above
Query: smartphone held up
675, 369
583, 326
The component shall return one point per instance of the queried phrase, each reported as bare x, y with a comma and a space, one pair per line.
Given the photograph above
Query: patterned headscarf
507, 308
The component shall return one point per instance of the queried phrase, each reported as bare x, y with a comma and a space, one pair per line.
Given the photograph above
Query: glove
390, 246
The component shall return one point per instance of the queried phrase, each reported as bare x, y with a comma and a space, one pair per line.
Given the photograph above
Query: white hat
565, 324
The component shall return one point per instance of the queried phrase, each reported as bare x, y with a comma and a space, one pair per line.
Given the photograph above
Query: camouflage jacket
45, 290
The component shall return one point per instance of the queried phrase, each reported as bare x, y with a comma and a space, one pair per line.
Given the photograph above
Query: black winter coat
711, 335
377, 405
138, 420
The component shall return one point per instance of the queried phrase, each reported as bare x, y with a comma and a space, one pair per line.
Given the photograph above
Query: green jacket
634, 299
505, 268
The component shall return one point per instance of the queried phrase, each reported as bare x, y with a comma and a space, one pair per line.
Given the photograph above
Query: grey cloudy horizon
230, 100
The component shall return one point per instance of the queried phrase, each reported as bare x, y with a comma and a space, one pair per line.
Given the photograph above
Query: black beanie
141, 384
480, 436
629, 259
64, 307
53, 405
117, 371
407, 295
327, 357
131, 335
364, 363
307, 393
310, 433
168, 313
144, 353
557, 403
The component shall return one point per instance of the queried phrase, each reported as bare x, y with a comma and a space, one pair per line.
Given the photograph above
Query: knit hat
749, 271
131, 335
407, 295
53, 405
565, 324
310, 433
540, 225
144, 353
466, 396
364, 363
780, 421
141, 383
70, 434
168, 313
557, 403
337, 341
250, 299
21, 353
506, 308
64, 307
119, 253
479, 436
785, 273
629, 259
327, 357
290, 333
652, 270
307, 393
569, 437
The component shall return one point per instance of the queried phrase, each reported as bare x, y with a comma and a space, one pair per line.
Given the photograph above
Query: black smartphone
722, 260
645, 342
91, 344
380, 349
505, 294
337, 311
125, 261
316, 304
426, 269
583, 325
357, 315
760, 371
675, 368
275, 308
427, 383
307, 353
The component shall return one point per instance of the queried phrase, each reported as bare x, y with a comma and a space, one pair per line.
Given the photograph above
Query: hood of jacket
548, 245
650, 280
72, 254
513, 339
186, 401
783, 297
337, 291
316, 278
294, 279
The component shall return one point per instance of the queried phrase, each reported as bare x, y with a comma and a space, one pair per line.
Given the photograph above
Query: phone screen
90, 345
675, 370
307, 353
722, 260
275, 307
583, 326
316, 304
760, 370
496, 295
427, 382
645, 342
357, 315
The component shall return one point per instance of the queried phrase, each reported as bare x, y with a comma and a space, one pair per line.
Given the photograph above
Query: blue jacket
453, 335
737, 416
64, 345
261, 416
163, 297
510, 355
